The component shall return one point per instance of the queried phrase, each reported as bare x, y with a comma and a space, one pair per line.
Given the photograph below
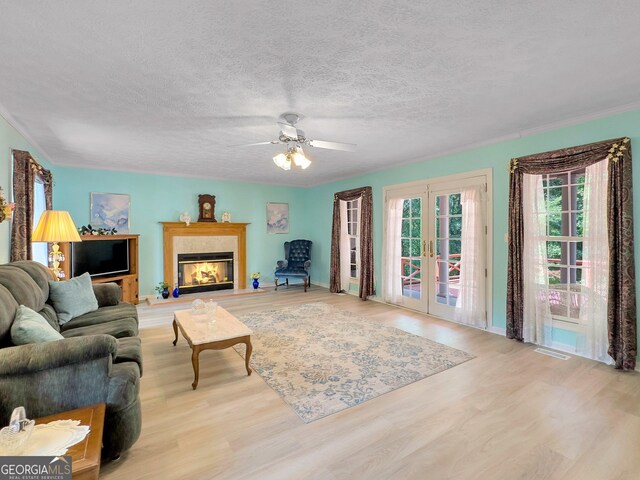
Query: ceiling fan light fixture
301, 161
293, 139
282, 161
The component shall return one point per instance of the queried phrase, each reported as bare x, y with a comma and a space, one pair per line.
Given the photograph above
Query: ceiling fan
294, 139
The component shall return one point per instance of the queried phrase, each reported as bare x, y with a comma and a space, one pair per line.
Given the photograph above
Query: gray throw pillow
31, 327
73, 297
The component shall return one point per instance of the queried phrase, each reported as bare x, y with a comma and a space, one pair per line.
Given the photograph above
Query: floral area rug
322, 360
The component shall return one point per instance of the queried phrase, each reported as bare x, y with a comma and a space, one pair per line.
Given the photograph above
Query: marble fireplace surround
205, 237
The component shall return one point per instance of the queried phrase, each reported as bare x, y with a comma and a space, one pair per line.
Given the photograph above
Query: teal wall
319, 200
10, 139
159, 198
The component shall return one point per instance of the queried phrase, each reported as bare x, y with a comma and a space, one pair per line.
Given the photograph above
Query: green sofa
98, 361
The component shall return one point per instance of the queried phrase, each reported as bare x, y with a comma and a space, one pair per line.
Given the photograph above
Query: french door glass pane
406, 228
406, 250
455, 227
416, 228
418, 269
411, 248
442, 291
448, 231
455, 204
415, 247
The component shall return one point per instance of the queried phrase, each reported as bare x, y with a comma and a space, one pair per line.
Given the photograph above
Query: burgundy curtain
366, 240
622, 294
25, 172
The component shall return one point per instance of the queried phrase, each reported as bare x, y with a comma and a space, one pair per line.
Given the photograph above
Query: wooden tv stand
128, 282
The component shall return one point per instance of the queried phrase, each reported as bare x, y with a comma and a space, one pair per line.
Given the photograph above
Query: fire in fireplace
203, 272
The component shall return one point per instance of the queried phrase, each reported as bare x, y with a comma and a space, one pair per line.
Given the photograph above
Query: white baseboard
502, 331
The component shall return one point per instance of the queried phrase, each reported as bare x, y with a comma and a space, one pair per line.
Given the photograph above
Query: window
564, 219
39, 249
353, 233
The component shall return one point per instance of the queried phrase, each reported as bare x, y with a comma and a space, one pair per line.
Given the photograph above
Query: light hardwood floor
508, 414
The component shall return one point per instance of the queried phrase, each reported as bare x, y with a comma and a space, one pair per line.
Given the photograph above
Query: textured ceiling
166, 86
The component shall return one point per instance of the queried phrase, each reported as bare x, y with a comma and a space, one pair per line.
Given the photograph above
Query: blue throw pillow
31, 327
73, 297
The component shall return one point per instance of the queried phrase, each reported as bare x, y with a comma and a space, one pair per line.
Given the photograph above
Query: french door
445, 246
424, 244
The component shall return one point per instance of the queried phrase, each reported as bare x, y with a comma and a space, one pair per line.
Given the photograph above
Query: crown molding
548, 127
4, 113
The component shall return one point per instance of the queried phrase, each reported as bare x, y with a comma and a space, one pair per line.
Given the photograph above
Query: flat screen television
100, 257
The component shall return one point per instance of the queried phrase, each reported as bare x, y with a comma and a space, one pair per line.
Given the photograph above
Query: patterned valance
565, 159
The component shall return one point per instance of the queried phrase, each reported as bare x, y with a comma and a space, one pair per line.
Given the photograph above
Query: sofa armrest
282, 264
36, 357
107, 294
57, 376
307, 265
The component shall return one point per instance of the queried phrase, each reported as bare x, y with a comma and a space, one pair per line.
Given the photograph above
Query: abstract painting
110, 210
277, 218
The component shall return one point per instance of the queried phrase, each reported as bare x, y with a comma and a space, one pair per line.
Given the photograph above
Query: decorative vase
176, 292
256, 283
165, 293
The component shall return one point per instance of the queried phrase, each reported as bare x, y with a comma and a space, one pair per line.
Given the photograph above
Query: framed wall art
110, 210
277, 218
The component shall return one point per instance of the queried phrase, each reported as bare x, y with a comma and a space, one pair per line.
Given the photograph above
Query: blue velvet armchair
296, 263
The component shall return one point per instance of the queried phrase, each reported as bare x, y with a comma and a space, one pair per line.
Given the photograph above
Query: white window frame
39, 250
562, 321
353, 233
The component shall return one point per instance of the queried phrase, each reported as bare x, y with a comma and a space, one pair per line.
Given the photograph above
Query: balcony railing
415, 270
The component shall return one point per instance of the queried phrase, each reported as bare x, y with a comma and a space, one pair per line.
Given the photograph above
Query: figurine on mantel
226, 217
186, 218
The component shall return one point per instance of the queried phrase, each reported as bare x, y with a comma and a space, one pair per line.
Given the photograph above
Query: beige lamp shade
55, 226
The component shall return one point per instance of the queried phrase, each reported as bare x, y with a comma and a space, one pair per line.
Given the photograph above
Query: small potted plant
256, 277
163, 289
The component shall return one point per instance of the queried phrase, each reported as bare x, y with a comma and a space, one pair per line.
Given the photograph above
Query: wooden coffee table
203, 334
85, 456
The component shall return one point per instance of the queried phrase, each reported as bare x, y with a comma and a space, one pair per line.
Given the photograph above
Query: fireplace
204, 272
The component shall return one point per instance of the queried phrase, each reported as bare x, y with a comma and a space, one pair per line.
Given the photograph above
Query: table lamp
55, 226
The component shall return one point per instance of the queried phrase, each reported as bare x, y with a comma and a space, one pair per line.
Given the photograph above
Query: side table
85, 455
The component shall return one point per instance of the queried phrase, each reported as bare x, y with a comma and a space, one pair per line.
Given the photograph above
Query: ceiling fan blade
272, 142
345, 147
289, 130
239, 120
